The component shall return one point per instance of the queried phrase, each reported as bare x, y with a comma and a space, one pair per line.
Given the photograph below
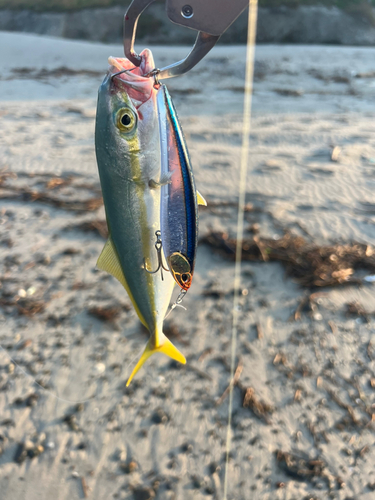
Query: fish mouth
126, 78
130, 71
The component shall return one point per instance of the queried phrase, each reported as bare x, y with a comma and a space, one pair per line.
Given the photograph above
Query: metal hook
122, 71
203, 43
158, 247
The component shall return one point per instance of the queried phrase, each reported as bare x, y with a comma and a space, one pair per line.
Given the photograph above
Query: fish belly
133, 216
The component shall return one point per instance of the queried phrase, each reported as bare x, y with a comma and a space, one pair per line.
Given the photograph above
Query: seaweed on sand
29, 195
308, 264
300, 467
40, 186
98, 226
259, 408
106, 313
25, 306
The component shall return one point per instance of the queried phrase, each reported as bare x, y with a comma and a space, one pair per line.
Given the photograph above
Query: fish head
181, 270
126, 113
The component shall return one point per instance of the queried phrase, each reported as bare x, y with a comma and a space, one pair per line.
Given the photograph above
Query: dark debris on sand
355, 309
171, 330
299, 467
41, 74
97, 226
107, 313
28, 195
29, 448
259, 408
38, 188
143, 493
25, 306
308, 264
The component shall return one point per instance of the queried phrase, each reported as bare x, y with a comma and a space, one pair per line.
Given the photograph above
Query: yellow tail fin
165, 346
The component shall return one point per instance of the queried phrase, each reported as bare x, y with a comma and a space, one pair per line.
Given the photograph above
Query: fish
179, 197
127, 144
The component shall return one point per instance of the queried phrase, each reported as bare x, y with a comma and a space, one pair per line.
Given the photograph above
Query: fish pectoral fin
165, 346
163, 181
200, 199
108, 261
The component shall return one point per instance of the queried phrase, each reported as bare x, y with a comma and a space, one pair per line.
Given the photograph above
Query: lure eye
126, 120
183, 280
181, 270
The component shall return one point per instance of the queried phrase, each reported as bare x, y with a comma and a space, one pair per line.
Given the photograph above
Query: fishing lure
179, 197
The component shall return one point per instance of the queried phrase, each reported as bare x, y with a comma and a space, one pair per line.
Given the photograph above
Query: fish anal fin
201, 200
165, 346
108, 261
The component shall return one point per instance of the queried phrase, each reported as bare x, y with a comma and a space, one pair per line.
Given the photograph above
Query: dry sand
308, 384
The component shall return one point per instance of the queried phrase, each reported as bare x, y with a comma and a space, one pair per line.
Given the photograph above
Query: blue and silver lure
179, 197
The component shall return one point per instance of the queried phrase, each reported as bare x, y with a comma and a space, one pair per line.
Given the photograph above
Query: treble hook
158, 247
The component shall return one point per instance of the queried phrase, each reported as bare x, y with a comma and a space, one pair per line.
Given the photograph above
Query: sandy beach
304, 402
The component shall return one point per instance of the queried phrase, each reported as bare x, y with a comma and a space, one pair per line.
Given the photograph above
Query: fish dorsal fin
108, 261
200, 199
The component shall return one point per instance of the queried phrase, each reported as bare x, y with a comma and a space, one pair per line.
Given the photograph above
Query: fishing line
174, 307
250, 50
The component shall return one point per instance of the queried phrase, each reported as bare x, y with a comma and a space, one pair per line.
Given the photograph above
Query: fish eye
126, 120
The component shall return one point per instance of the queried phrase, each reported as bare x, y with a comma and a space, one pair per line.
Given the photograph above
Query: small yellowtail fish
179, 197
128, 154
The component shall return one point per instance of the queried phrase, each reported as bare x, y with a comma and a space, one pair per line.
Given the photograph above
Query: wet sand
304, 402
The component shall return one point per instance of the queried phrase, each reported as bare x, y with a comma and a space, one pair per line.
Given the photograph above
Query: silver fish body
128, 155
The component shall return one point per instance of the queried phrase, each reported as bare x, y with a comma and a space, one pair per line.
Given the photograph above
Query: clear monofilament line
251, 37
